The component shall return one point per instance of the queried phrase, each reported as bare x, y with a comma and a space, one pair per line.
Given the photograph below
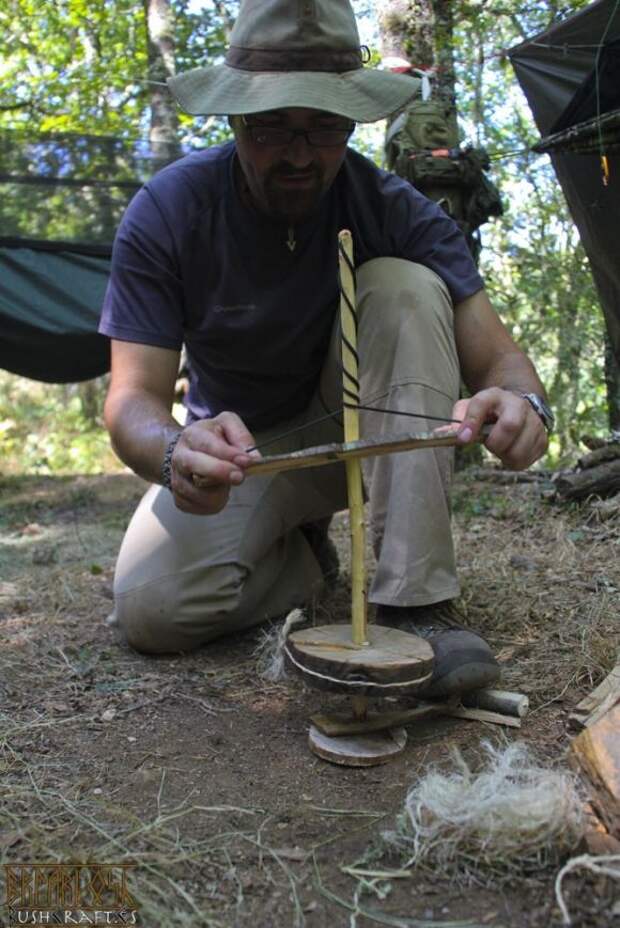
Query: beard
290, 194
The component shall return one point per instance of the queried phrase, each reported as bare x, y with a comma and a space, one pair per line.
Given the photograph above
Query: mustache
288, 170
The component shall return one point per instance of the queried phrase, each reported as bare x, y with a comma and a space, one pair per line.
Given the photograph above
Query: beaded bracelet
166, 468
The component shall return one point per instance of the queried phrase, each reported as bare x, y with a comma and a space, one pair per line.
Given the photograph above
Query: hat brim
362, 95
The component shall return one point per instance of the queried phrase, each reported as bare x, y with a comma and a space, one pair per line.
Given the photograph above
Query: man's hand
517, 435
214, 450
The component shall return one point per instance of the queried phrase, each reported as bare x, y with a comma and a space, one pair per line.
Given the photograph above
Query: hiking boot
323, 548
463, 660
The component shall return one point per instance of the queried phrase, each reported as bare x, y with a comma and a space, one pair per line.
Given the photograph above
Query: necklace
248, 200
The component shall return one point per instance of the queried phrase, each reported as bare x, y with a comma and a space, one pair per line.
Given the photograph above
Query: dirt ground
196, 771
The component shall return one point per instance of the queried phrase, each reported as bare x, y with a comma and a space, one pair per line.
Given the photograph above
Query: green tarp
569, 74
50, 303
61, 199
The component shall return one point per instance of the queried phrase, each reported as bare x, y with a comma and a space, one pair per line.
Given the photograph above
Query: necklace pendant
291, 244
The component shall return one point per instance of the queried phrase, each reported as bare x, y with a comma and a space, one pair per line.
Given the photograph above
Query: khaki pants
183, 580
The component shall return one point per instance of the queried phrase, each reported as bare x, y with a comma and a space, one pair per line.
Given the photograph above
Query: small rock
522, 563
98, 791
108, 715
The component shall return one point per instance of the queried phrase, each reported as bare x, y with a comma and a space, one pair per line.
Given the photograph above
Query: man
233, 252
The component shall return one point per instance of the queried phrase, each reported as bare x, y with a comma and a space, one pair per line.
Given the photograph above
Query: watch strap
541, 409
166, 468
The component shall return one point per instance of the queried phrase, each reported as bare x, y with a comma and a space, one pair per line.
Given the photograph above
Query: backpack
422, 147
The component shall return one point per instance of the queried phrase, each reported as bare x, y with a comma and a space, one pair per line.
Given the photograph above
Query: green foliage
47, 430
534, 265
81, 65
73, 65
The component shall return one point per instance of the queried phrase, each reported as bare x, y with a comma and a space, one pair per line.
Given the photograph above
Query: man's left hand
517, 437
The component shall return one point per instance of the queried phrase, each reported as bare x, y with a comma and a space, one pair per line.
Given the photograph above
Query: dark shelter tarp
569, 75
49, 312
61, 198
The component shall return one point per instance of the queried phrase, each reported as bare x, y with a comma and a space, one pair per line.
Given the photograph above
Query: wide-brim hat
294, 53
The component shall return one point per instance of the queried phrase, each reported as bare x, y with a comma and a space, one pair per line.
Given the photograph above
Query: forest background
96, 67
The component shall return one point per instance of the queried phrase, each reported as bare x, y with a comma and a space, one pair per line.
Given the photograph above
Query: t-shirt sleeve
421, 231
144, 297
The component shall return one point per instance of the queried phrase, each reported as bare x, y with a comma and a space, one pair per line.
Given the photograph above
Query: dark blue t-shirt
193, 264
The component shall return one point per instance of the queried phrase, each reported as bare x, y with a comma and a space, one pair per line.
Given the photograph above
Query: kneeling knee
180, 613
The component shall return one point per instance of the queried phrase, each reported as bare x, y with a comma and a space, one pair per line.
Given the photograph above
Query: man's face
287, 180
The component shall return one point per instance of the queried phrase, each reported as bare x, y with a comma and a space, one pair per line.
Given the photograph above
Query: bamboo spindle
348, 322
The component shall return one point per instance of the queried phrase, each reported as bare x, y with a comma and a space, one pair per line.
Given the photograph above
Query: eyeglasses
317, 138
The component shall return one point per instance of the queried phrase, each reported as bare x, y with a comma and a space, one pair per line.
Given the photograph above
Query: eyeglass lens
274, 135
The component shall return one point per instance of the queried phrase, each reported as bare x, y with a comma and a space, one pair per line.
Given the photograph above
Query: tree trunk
421, 31
163, 132
406, 28
444, 56
612, 381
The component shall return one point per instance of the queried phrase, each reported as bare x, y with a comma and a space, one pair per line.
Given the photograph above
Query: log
596, 836
391, 655
365, 750
508, 477
602, 480
609, 452
596, 751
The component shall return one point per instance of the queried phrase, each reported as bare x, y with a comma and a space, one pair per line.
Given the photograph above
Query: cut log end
366, 750
392, 663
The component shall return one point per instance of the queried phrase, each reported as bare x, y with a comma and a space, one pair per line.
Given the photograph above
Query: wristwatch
542, 410
166, 469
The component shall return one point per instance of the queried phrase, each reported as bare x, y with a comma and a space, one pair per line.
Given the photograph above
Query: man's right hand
214, 451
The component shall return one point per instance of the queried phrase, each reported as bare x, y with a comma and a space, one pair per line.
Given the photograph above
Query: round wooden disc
377, 747
393, 661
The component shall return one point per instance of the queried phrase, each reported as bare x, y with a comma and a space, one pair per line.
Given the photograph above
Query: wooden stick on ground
496, 706
594, 706
348, 322
502, 702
